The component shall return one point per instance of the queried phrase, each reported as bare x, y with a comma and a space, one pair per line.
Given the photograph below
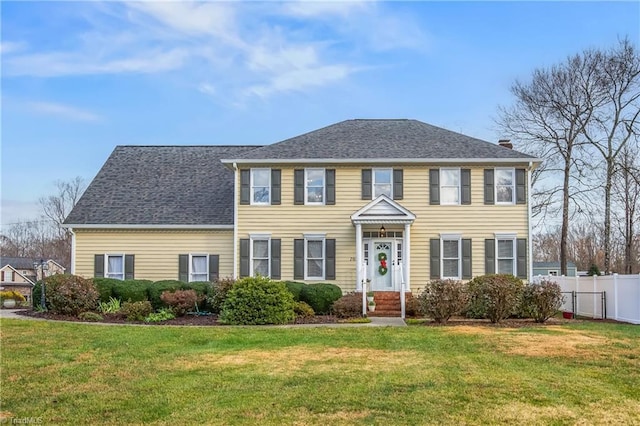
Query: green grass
91, 374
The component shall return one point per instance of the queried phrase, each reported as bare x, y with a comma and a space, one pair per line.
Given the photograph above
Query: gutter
143, 226
492, 161
530, 242
73, 251
235, 220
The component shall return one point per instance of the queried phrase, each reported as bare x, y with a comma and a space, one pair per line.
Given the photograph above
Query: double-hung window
198, 267
506, 256
382, 182
260, 256
114, 266
449, 186
451, 255
505, 186
314, 186
260, 186
314, 250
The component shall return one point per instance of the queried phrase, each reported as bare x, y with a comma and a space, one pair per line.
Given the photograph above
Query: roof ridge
189, 146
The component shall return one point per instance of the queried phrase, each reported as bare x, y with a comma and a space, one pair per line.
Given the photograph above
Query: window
114, 266
314, 258
504, 186
449, 186
314, 186
198, 267
260, 257
260, 186
506, 256
382, 182
552, 272
451, 257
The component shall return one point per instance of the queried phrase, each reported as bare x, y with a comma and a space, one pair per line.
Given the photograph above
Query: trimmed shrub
496, 297
105, 287
202, 288
303, 310
542, 301
442, 299
131, 290
412, 306
258, 300
90, 316
218, 293
181, 301
136, 311
162, 315
321, 297
155, 290
348, 306
36, 296
70, 294
295, 288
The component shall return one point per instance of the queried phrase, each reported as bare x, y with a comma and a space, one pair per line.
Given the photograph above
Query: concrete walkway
375, 321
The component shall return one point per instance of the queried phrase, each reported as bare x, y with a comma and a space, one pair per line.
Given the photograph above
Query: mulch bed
197, 320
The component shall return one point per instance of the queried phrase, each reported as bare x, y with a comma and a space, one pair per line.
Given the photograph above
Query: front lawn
92, 374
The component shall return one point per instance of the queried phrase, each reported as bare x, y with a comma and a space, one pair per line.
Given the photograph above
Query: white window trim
315, 237
457, 169
513, 185
259, 237
106, 265
251, 187
324, 188
512, 238
451, 237
373, 180
206, 256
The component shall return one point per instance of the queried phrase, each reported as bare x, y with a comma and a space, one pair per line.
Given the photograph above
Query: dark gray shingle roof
161, 185
18, 262
386, 139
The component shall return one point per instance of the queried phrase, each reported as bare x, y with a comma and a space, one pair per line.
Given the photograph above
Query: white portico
383, 241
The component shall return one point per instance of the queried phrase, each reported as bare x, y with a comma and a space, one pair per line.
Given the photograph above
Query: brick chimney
505, 143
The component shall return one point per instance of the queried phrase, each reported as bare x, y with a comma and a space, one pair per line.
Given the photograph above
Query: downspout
73, 251
235, 220
530, 242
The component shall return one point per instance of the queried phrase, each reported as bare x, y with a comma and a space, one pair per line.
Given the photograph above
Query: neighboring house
19, 273
409, 200
553, 269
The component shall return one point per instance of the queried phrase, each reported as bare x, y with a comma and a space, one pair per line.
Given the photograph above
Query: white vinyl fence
622, 295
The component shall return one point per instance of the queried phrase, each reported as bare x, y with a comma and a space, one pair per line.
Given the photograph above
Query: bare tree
615, 120
548, 120
58, 206
626, 195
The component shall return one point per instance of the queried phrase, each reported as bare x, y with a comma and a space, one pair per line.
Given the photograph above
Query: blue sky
79, 78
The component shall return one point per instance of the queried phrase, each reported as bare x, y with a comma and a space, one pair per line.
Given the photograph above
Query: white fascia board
524, 161
143, 226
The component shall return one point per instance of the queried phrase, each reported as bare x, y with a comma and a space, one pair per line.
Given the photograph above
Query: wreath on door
382, 269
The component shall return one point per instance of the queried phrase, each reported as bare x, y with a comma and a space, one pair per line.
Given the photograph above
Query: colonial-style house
21, 273
390, 202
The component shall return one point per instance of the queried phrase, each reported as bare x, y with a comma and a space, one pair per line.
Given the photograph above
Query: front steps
387, 304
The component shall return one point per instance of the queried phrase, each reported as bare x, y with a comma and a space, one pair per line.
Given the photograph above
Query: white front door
381, 265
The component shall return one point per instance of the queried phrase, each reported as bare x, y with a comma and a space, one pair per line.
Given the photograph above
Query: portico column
406, 257
358, 257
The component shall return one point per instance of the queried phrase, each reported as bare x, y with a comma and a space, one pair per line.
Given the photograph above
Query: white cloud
207, 89
11, 47
328, 9
64, 111
301, 79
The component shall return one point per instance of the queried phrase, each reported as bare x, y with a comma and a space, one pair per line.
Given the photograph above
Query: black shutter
488, 187
298, 187
521, 253
330, 176
434, 256
275, 259
434, 186
275, 186
129, 261
298, 259
245, 186
244, 257
214, 267
490, 256
465, 178
521, 188
330, 247
98, 266
366, 184
466, 258
397, 184
183, 268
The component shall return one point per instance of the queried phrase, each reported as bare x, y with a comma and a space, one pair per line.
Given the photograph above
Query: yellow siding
156, 252
288, 221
